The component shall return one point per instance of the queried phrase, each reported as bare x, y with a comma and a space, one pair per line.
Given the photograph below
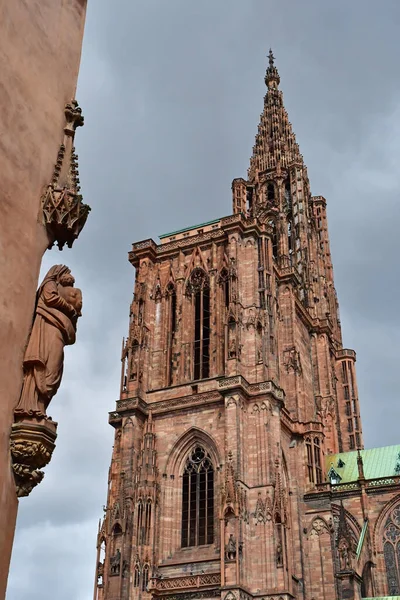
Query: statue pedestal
31, 444
350, 584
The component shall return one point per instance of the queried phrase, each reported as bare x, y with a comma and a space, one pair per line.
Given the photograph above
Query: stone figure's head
67, 280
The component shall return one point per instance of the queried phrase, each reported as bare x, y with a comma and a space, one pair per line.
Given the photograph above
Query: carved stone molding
63, 212
31, 445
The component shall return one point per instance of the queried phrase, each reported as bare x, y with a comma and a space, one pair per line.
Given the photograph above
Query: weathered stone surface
40, 47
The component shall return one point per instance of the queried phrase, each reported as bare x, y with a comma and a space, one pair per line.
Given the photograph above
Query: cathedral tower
235, 392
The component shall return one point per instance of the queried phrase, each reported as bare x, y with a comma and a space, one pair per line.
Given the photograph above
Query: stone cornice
182, 402
229, 224
238, 382
299, 428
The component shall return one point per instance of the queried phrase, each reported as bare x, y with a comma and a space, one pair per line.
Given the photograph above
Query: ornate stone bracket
63, 212
31, 444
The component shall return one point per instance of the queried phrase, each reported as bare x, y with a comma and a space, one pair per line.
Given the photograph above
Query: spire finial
272, 78
360, 464
271, 58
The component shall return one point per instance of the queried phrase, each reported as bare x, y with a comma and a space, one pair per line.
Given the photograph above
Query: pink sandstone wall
40, 48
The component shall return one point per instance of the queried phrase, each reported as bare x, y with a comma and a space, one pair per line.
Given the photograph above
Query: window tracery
172, 327
145, 577
198, 286
198, 499
391, 551
314, 464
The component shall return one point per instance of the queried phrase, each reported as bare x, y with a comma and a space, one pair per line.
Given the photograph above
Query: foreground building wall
238, 418
40, 48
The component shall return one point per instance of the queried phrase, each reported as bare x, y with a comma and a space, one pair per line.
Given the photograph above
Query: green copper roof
377, 462
164, 235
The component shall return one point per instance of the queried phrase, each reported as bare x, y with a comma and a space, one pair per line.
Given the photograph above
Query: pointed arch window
144, 522
224, 281
199, 287
147, 523
134, 360
259, 343
140, 523
271, 192
136, 576
290, 238
391, 551
274, 239
145, 577
172, 323
314, 465
232, 341
198, 499
288, 195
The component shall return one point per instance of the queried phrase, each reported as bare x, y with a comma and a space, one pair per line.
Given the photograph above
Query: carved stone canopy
63, 212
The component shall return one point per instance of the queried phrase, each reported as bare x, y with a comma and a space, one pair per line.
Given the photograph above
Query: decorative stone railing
346, 353
186, 582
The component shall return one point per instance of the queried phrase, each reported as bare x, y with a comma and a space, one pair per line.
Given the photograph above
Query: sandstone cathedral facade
238, 469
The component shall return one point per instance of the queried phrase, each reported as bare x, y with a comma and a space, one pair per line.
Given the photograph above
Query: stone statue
58, 306
279, 555
344, 557
115, 563
230, 550
100, 573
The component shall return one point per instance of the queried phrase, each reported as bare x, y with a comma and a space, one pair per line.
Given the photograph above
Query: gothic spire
275, 141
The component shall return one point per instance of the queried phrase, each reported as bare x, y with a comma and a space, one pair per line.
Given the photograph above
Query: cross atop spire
272, 78
271, 58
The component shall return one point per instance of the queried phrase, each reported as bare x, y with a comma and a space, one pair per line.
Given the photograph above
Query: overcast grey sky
172, 91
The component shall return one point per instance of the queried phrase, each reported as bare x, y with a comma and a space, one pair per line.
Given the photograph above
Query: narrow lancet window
145, 578
198, 499
171, 299
147, 523
199, 286
274, 239
136, 576
139, 522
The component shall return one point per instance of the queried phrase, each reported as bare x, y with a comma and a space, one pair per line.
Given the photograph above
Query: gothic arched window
271, 192
147, 523
391, 551
136, 576
288, 195
274, 239
139, 521
134, 360
198, 499
171, 299
145, 578
224, 281
199, 287
314, 465
290, 237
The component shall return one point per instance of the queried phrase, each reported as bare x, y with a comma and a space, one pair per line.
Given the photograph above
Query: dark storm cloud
172, 91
